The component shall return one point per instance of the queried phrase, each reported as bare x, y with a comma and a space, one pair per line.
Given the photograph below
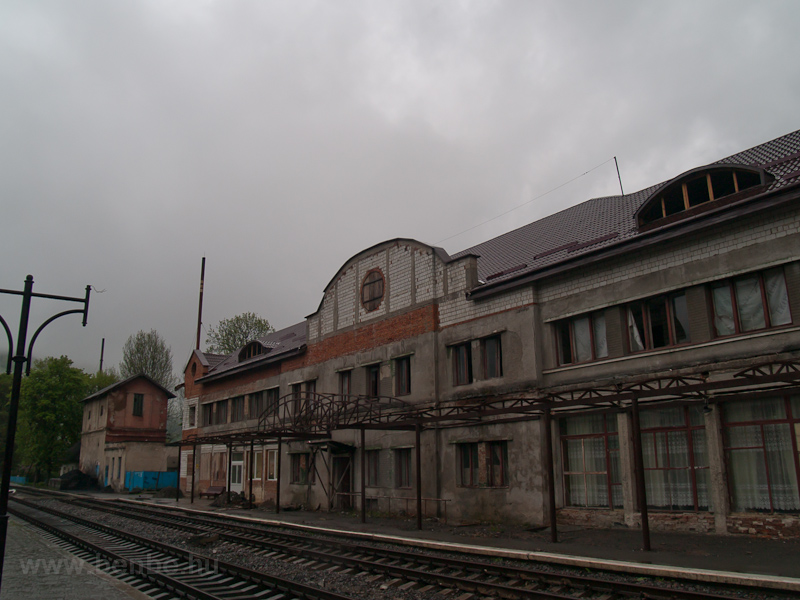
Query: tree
101, 380
148, 354
231, 334
50, 413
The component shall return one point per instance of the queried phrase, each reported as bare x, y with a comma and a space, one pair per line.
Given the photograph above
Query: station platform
705, 557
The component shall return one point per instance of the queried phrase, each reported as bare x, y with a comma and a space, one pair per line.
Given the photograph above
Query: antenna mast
200, 307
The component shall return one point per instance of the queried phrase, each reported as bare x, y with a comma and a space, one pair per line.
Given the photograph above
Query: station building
632, 350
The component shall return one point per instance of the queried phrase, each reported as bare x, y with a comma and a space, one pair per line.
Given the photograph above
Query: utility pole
21, 359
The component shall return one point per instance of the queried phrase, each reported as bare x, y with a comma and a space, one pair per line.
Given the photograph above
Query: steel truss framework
309, 416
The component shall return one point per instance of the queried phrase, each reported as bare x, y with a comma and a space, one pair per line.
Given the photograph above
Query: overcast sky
280, 138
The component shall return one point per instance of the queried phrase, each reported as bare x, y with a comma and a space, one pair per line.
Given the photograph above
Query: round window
372, 290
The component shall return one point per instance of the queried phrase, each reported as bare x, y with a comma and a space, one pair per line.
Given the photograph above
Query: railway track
429, 574
158, 569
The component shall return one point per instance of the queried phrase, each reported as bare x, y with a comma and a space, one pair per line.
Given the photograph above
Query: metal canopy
311, 416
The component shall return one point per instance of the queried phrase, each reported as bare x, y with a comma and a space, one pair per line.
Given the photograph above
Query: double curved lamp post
20, 359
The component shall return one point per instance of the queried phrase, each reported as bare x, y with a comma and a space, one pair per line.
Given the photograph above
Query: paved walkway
36, 569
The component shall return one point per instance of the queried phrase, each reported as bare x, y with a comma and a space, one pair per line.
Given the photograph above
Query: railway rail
429, 573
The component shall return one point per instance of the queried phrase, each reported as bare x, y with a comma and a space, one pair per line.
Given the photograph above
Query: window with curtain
752, 302
761, 452
675, 456
658, 322
582, 338
590, 454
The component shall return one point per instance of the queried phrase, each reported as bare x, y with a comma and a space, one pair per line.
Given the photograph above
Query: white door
237, 464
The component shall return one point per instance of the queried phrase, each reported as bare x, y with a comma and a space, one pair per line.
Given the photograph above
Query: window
297, 392
208, 414
250, 350
222, 412
345, 382
582, 338
658, 322
492, 357
273, 400
119, 467
237, 409
192, 416
101, 410
372, 290
462, 364
373, 460
676, 472
468, 465
373, 381
696, 189
258, 467
760, 438
752, 302
402, 467
138, 405
112, 466
497, 459
302, 469
255, 405
89, 415
403, 376
590, 450
272, 468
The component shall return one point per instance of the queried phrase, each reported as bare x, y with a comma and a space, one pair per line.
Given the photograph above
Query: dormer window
250, 350
696, 192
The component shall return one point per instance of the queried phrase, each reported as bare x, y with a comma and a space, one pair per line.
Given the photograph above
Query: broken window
658, 322
372, 290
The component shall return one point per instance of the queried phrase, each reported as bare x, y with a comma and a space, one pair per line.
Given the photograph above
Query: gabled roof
124, 382
278, 345
600, 223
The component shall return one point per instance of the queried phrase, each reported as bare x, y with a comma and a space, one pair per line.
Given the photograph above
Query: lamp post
20, 358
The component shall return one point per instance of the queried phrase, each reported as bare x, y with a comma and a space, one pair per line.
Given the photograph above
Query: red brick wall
774, 526
410, 324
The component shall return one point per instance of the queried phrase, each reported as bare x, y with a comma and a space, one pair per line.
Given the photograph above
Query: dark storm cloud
278, 139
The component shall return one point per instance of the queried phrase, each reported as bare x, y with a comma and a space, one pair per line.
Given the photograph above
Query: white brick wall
458, 308
346, 292
401, 266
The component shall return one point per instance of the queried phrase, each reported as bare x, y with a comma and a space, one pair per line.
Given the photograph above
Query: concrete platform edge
725, 577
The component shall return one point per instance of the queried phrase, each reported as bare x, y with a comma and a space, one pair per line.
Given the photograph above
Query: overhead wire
528, 201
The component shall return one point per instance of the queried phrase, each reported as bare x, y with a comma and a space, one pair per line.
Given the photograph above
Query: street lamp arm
79, 311
10, 344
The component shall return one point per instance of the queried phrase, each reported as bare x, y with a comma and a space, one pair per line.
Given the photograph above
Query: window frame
402, 468
193, 416
688, 428
607, 453
237, 409
472, 452
272, 465
791, 418
345, 382
567, 326
730, 283
497, 368
372, 466
138, 405
645, 306
221, 412
373, 373
402, 376
462, 357
371, 299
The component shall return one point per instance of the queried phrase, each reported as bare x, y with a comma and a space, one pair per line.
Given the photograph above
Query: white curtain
777, 298
748, 301
600, 342
723, 311
582, 339
635, 335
